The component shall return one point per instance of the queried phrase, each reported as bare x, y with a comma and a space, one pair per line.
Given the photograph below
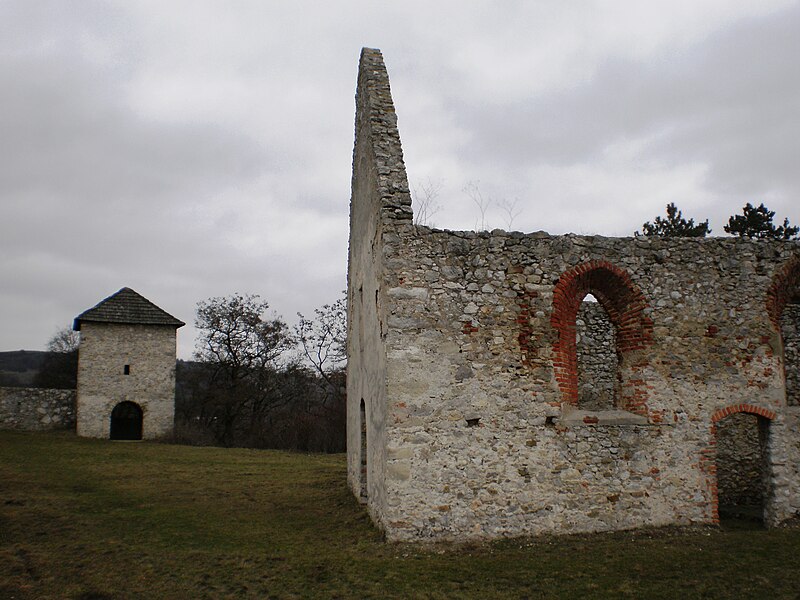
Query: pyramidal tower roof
126, 307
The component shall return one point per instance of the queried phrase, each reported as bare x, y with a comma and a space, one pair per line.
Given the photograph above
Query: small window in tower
126, 369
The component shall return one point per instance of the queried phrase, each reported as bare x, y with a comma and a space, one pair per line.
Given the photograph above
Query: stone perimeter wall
105, 349
35, 409
480, 433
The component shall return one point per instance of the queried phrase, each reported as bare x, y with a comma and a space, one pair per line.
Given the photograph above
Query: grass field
92, 520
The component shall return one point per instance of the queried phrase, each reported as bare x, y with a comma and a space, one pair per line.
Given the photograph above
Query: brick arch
624, 303
745, 408
785, 283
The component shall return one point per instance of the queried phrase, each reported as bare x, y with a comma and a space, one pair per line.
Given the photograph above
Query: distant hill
18, 368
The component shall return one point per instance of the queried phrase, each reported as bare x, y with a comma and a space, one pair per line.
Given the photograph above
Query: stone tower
126, 368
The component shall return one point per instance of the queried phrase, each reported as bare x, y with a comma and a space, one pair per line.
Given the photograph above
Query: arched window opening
742, 467
126, 421
363, 417
790, 333
783, 308
625, 306
598, 363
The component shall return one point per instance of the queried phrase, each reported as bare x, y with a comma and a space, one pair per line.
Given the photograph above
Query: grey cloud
190, 158
731, 101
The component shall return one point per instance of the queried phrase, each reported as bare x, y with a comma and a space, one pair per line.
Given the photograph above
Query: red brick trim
745, 408
785, 281
624, 303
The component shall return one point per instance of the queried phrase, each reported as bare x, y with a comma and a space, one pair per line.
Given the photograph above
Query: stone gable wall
105, 349
34, 409
473, 367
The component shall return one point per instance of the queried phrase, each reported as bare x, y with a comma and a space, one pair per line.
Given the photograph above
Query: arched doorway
742, 462
126, 421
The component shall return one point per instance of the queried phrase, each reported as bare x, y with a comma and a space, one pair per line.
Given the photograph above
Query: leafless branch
425, 195
511, 211
472, 190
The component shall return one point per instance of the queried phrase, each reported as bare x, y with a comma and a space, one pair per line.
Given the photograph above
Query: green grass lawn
92, 520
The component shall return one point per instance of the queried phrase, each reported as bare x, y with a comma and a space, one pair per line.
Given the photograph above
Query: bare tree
323, 340
511, 211
64, 340
472, 190
425, 195
250, 387
235, 336
243, 351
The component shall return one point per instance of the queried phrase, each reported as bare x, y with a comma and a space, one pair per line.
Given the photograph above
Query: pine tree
757, 223
675, 225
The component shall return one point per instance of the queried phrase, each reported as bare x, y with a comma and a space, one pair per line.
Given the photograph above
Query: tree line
754, 222
257, 383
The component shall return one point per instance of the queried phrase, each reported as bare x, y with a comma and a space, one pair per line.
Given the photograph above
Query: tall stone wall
34, 409
473, 366
105, 350
380, 197
484, 311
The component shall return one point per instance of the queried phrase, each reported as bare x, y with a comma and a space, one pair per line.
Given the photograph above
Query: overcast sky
196, 149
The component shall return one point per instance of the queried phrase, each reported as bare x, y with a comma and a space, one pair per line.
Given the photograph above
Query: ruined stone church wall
380, 196
464, 347
476, 414
366, 362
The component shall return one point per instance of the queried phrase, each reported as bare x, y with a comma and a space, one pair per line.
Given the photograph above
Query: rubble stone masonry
464, 348
149, 353
34, 409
